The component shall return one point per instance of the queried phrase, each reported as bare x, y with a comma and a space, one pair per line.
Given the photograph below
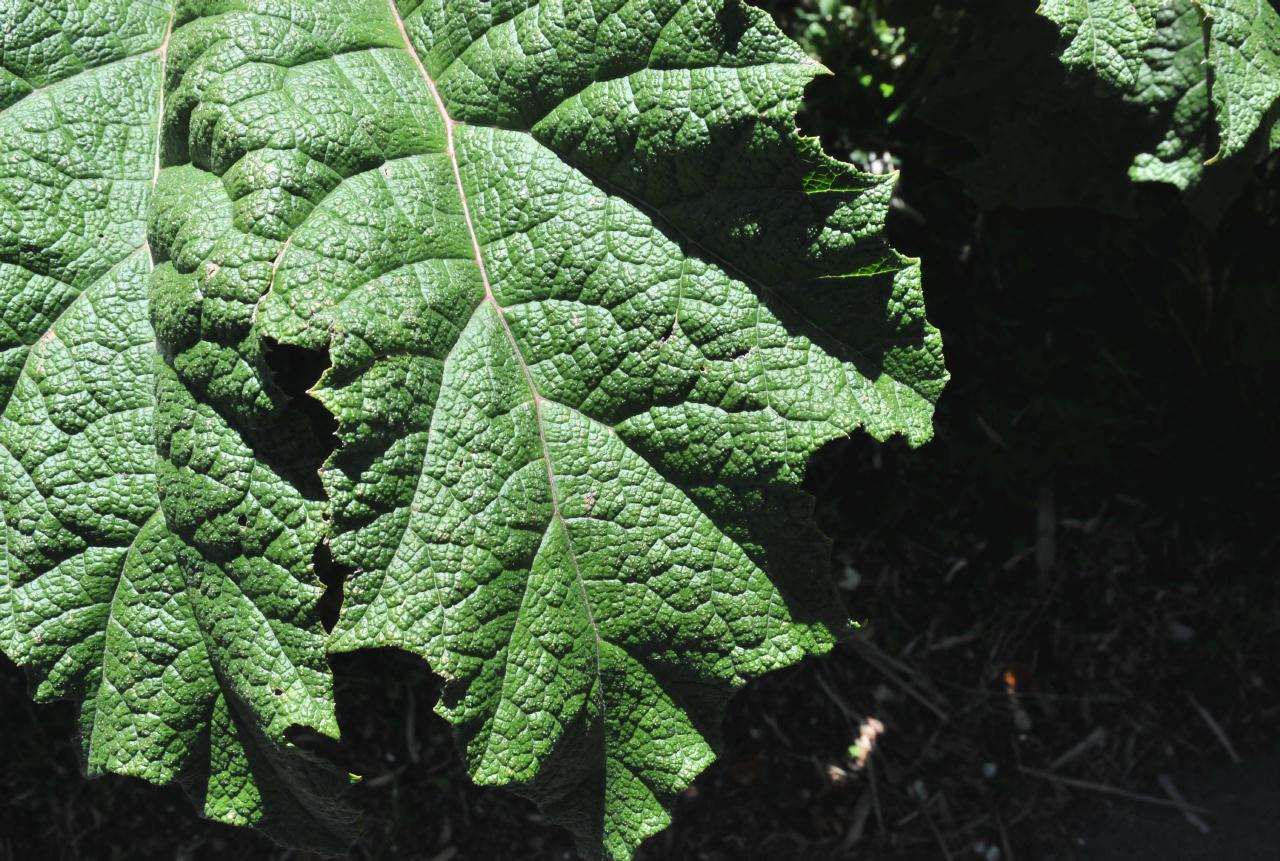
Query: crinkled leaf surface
1110, 37
1209, 70
185, 671
590, 306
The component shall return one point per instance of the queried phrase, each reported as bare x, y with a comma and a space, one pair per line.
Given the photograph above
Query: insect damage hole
296, 370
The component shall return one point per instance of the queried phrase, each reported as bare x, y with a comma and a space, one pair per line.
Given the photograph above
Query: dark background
1070, 596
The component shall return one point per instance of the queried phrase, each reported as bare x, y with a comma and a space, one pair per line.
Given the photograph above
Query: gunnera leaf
1206, 71
590, 305
189, 668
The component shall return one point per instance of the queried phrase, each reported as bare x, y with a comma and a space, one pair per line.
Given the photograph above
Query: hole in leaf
296, 370
315, 743
733, 23
332, 575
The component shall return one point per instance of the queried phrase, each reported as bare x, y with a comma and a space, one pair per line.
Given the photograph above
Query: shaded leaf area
1051, 143
1206, 71
1061, 137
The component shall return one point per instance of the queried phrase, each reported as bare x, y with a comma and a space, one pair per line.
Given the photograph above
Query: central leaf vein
451, 151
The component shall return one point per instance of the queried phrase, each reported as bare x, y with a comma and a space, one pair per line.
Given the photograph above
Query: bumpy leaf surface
181, 676
572, 428
590, 306
1109, 37
1209, 70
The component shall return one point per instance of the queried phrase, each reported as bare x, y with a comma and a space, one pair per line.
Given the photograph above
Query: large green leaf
182, 676
1207, 70
590, 306
572, 428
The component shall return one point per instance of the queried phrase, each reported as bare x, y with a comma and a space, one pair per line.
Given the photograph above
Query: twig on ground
1004, 838
1092, 740
410, 720
771, 722
875, 794
1108, 790
1166, 783
861, 811
1217, 730
1046, 529
933, 827
881, 661
838, 700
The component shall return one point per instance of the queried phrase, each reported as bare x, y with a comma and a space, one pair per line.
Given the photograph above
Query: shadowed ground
1243, 823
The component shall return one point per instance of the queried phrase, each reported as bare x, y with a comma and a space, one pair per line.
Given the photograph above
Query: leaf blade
473, 377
